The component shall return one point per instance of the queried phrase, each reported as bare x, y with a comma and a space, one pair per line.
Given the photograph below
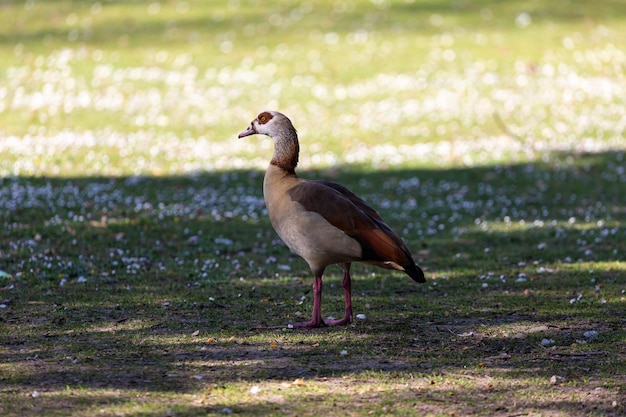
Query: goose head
270, 123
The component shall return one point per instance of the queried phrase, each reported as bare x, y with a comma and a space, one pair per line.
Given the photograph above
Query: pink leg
316, 317
347, 292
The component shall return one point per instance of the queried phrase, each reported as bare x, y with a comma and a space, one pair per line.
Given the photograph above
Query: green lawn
139, 274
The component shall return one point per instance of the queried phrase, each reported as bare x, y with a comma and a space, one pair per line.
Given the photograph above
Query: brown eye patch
264, 117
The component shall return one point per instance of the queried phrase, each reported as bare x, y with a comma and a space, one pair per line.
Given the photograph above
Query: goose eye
264, 117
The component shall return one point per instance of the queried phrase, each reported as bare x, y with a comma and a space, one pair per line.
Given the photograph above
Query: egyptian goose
323, 222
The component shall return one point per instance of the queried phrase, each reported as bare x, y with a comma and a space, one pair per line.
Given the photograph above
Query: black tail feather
416, 273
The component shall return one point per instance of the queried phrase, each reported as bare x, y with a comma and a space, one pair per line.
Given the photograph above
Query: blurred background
161, 88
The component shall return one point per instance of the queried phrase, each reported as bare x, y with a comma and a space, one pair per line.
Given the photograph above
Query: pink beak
249, 131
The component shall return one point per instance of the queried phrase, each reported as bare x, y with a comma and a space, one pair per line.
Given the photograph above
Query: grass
140, 275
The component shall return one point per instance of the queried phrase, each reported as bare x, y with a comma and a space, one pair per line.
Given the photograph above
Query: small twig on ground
267, 328
580, 354
500, 356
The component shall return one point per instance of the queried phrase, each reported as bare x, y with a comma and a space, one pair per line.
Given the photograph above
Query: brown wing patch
343, 209
383, 245
332, 205
355, 199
